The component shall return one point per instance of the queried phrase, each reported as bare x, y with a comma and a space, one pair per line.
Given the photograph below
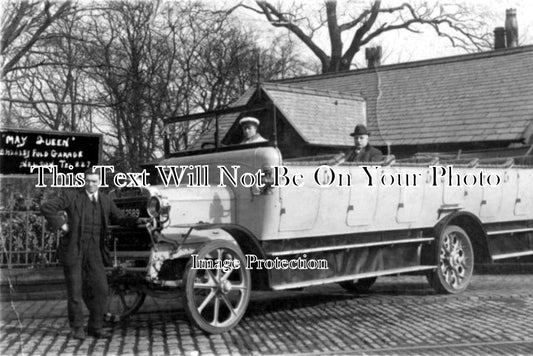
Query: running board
513, 231
351, 246
511, 255
352, 277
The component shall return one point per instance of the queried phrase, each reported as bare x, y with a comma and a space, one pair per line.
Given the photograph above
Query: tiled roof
319, 117
479, 97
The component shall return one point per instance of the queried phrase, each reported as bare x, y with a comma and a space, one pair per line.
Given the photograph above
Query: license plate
132, 212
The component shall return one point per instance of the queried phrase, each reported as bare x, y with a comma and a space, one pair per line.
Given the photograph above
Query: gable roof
319, 117
478, 97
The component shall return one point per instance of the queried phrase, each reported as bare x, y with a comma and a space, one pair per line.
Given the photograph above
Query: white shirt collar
95, 194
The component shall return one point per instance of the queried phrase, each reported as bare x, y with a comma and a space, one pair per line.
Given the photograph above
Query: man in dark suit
363, 151
81, 250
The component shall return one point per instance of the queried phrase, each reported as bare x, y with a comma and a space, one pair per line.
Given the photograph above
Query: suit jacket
367, 154
72, 203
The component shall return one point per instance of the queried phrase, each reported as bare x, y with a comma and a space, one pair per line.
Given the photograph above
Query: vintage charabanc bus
226, 220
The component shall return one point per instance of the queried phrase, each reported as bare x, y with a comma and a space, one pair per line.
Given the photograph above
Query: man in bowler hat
363, 151
82, 251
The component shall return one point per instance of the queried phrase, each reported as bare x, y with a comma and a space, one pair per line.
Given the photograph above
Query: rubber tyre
215, 301
455, 261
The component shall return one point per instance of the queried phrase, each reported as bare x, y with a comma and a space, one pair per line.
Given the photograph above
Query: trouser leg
95, 286
73, 279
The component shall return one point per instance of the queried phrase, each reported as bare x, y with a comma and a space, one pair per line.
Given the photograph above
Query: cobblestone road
400, 316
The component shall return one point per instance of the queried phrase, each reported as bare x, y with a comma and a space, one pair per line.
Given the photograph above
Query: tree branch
361, 31
49, 19
281, 21
333, 28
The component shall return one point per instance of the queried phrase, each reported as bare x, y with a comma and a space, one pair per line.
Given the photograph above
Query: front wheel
455, 261
217, 287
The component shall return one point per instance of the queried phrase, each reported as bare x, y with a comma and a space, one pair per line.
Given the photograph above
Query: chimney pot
499, 38
373, 56
511, 28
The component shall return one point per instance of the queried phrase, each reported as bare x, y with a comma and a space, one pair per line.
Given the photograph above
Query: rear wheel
215, 299
359, 285
455, 261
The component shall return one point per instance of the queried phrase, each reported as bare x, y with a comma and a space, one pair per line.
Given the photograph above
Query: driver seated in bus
249, 130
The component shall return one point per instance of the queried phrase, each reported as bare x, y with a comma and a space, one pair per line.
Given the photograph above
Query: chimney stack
499, 38
511, 28
373, 57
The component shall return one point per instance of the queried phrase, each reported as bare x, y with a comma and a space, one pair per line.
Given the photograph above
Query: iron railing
25, 241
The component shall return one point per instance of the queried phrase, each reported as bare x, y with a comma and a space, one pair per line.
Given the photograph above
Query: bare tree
121, 67
115, 52
50, 83
24, 23
231, 62
455, 22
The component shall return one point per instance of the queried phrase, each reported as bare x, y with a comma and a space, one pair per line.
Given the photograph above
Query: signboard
70, 152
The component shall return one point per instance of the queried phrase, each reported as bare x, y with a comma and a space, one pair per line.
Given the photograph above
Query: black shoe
111, 319
77, 333
99, 334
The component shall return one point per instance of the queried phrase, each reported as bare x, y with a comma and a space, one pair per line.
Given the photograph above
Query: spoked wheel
215, 300
359, 285
122, 302
455, 261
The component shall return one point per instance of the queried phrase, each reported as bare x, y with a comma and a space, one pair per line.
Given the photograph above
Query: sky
429, 45
404, 46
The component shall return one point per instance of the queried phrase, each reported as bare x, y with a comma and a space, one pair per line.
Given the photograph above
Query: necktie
93, 199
